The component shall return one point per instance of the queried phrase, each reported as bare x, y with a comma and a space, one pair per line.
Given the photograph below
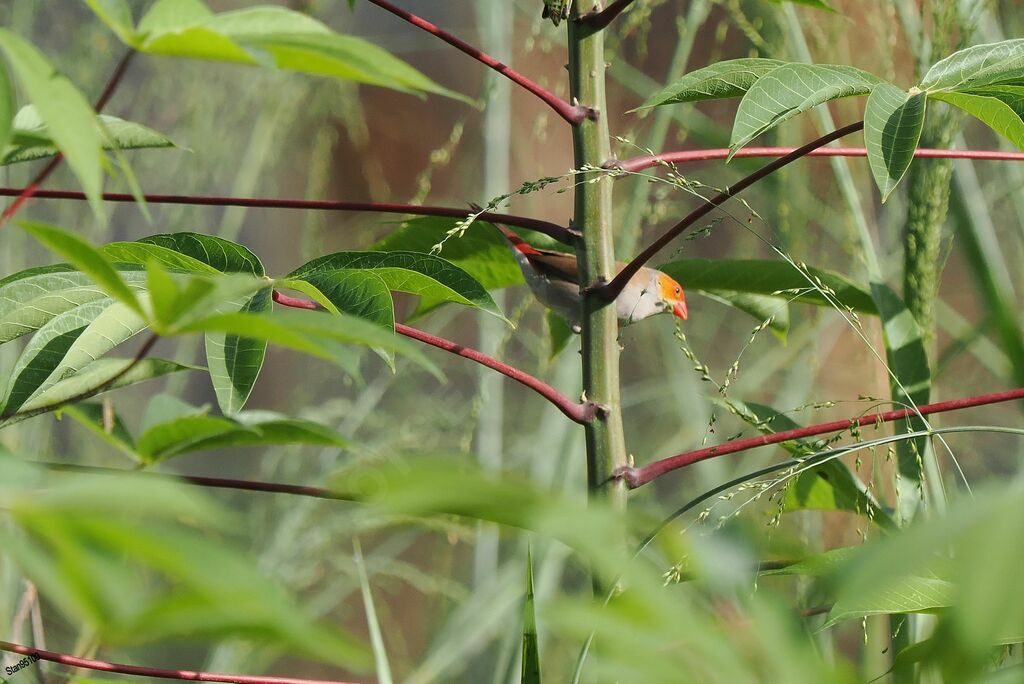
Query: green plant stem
606, 446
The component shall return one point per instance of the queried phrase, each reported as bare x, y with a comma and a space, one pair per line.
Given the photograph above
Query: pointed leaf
909, 594
235, 362
354, 292
276, 37
223, 255
762, 308
68, 115
422, 274
773, 278
793, 89
143, 253
95, 379
7, 105
731, 78
910, 385
1001, 108
31, 139
32, 298
86, 259
980, 65
893, 121
530, 672
313, 333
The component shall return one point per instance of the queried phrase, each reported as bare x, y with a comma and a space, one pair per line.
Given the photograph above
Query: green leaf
86, 259
313, 333
893, 121
980, 65
363, 294
1001, 108
530, 672
910, 594
416, 273
772, 278
143, 253
380, 655
730, 78
116, 14
31, 298
831, 486
93, 380
274, 37
103, 550
762, 308
235, 362
793, 89
7, 105
92, 416
68, 115
222, 255
910, 386
559, 333
31, 139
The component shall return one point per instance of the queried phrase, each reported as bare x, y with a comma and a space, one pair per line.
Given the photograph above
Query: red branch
575, 411
596, 21
609, 291
685, 156
637, 477
33, 188
552, 230
202, 481
140, 671
574, 114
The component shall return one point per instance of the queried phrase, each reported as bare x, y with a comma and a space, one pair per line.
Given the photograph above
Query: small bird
556, 10
554, 279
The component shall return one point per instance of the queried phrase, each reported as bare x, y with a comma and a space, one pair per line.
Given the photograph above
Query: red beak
679, 310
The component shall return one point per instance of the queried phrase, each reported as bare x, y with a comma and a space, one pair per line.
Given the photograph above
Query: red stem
611, 290
577, 412
574, 114
637, 477
552, 230
595, 21
201, 481
33, 188
140, 671
647, 161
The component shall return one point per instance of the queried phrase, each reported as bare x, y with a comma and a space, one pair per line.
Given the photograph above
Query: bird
554, 279
556, 10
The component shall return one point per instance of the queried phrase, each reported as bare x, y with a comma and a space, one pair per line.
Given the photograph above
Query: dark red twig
611, 290
140, 671
574, 114
201, 481
575, 411
685, 156
552, 230
596, 21
637, 477
33, 187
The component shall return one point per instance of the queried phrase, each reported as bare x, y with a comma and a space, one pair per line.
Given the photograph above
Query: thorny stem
574, 114
141, 671
552, 230
33, 188
146, 347
581, 413
648, 161
637, 477
611, 290
596, 21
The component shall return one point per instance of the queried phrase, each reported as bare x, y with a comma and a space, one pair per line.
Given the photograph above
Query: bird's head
672, 295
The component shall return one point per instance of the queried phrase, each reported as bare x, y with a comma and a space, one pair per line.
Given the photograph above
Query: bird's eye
678, 290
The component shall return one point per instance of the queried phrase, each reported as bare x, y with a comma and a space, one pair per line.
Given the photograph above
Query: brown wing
555, 265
